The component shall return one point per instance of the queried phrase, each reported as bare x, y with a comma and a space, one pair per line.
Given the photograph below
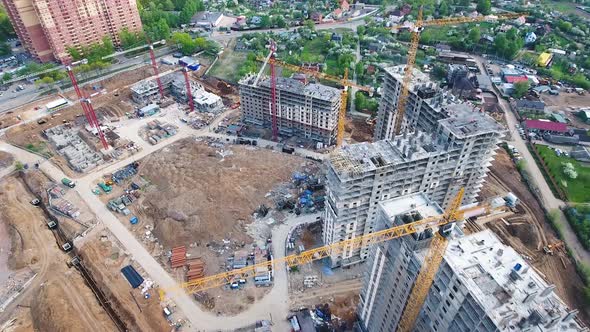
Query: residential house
520, 21
337, 13
317, 17
585, 115
529, 106
441, 48
344, 6
336, 37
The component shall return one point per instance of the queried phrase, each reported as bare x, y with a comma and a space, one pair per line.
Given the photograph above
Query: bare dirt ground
569, 103
528, 232
203, 196
57, 299
6, 159
357, 130
104, 259
113, 104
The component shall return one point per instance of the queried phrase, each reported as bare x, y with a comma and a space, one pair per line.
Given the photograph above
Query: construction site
160, 200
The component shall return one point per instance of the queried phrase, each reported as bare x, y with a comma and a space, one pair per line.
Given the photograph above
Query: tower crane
189, 92
417, 28
342, 81
86, 104
452, 214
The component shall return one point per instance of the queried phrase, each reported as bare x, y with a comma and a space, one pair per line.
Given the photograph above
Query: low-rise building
529, 106
546, 126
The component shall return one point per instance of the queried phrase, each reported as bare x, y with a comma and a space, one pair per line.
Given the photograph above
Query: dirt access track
57, 299
528, 231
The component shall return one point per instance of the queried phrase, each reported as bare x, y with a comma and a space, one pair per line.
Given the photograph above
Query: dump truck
68, 182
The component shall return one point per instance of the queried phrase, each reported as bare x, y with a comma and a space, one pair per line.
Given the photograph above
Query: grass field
228, 65
576, 189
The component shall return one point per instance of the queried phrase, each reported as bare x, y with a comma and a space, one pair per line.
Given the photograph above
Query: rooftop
535, 104
418, 202
314, 90
365, 157
419, 79
465, 121
546, 125
511, 293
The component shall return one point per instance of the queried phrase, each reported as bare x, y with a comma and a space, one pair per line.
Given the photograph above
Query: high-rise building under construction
455, 153
481, 284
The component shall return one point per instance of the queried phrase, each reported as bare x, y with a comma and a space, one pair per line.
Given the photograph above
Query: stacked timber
178, 258
196, 269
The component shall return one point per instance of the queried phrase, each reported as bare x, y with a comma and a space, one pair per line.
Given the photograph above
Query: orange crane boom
220, 279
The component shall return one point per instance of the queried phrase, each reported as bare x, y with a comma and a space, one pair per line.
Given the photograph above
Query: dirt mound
6, 159
104, 262
199, 197
526, 233
58, 307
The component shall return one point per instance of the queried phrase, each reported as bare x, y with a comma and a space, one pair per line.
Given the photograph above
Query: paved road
11, 100
274, 305
549, 200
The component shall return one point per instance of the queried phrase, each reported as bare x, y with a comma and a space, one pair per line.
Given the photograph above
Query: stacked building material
178, 258
196, 269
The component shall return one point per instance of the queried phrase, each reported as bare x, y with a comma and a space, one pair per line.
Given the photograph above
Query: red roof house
514, 79
344, 6
546, 126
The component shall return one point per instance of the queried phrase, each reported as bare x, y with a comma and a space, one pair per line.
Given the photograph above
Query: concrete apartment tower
454, 153
48, 27
425, 105
481, 285
305, 110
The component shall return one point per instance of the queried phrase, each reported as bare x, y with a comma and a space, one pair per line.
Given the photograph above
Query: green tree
265, 21
564, 26
484, 7
474, 35
520, 89
184, 42
190, 8
360, 30
279, 21
310, 24
6, 77
6, 30
168, 5
443, 8
5, 49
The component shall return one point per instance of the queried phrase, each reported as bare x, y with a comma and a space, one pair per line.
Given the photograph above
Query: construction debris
178, 257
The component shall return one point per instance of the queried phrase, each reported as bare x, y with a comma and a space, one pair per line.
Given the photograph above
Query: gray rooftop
313, 90
510, 291
465, 121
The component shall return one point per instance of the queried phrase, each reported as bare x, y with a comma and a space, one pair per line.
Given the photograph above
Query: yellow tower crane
452, 214
417, 28
342, 81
